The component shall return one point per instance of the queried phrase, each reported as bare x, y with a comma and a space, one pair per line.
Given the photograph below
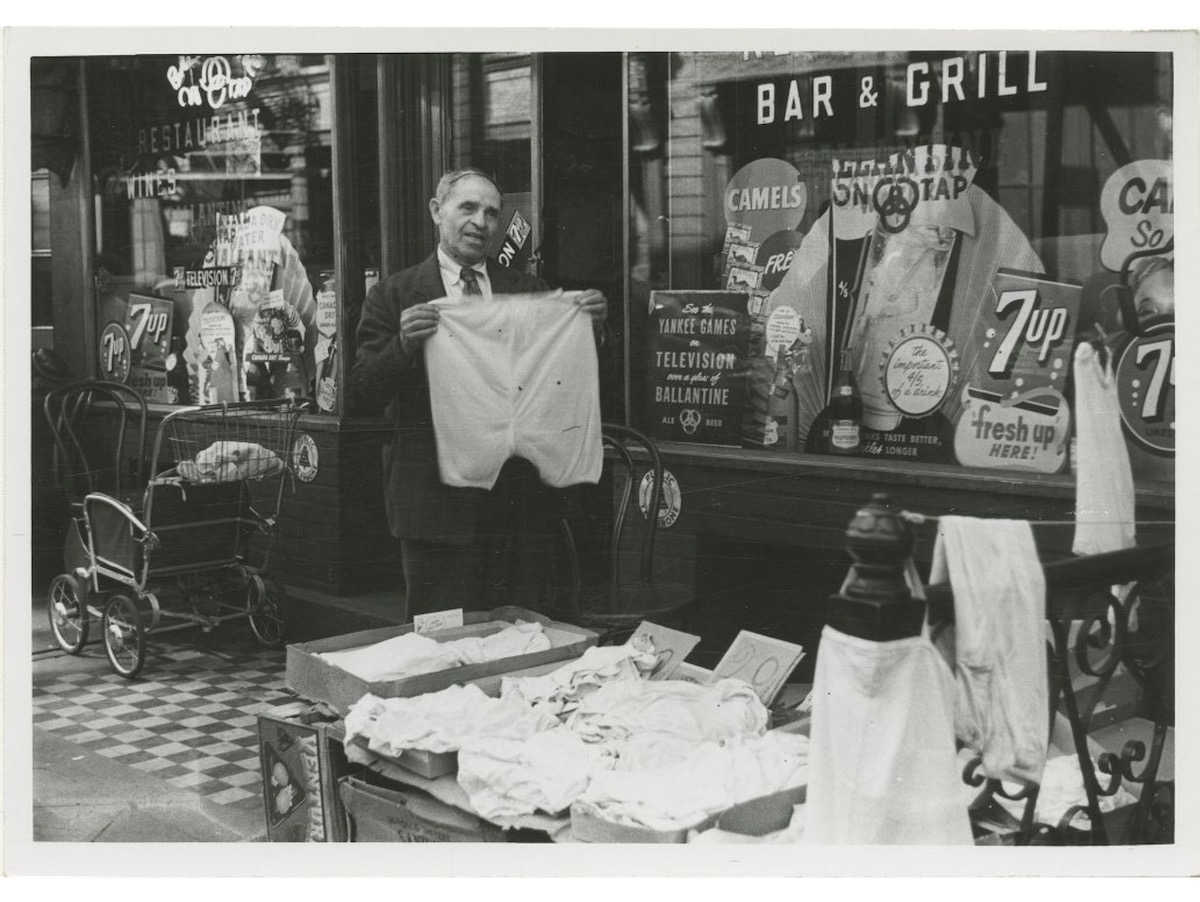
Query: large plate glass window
893, 255
212, 180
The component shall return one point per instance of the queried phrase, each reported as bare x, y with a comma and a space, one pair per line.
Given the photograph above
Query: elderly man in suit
456, 544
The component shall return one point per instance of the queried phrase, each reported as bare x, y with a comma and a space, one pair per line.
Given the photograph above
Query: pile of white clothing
439, 721
561, 691
713, 777
1061, 789
680, 710
412, 654
630, 725
506, 778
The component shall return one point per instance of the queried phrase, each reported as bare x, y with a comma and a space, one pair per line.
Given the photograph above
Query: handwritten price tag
761, 661
671, 647
438, 620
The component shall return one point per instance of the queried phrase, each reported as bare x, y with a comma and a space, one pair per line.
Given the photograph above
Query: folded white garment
439, 721
560, 691
713, 777
620, 710
412, 654
506, 778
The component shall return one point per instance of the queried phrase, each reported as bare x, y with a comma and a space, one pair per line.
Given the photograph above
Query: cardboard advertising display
301, 764
897, 272
252, 303
697, 365
149, 325
1014, 413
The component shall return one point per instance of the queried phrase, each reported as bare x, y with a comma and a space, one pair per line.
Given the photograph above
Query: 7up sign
1145, 375
1014, 412
1025, 334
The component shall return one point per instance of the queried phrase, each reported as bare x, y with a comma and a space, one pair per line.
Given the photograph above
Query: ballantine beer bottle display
845, 411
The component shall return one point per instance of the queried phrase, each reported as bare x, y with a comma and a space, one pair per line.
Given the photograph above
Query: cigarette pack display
742, 252
744, 277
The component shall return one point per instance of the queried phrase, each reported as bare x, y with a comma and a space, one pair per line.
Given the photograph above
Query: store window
41, 286
892, 256
214, 224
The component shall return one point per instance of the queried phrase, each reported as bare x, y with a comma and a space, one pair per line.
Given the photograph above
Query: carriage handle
147, 537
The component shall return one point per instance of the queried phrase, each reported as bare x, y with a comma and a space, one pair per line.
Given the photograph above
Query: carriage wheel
264, 604
124, 636
68, 611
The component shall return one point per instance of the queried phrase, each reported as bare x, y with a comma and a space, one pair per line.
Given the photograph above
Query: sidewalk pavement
81, 796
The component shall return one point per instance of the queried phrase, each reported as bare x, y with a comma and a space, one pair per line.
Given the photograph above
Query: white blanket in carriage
227, 461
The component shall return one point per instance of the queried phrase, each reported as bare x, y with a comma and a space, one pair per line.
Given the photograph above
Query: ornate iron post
876, 602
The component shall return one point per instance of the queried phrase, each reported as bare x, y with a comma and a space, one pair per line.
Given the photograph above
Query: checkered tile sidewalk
191, 718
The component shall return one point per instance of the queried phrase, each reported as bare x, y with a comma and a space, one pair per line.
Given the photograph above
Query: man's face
467, 219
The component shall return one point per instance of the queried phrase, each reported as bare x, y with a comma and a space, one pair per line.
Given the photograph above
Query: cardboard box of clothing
315, 679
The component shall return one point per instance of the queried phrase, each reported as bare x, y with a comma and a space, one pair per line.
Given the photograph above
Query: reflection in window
214, 224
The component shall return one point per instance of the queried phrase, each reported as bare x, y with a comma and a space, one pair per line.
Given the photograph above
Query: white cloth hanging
1104, 508
882, 767
998, 641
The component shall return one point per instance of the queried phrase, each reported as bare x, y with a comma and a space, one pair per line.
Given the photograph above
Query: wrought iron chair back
616, 609
79, 466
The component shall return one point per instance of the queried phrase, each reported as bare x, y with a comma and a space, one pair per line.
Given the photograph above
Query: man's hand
416, 325
595, 305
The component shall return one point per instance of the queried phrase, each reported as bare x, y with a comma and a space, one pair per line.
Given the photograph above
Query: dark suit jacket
419, 506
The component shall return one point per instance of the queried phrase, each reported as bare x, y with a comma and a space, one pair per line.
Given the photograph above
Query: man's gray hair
454, 176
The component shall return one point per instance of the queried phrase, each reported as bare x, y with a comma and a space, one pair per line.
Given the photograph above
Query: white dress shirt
452, 277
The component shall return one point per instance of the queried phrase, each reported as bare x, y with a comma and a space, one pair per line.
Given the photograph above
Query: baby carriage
174, 552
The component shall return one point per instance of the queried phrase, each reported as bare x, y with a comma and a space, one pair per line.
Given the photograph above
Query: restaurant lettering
197, 134
954, 79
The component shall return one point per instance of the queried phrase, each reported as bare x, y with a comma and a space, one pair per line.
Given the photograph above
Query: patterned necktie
470, 282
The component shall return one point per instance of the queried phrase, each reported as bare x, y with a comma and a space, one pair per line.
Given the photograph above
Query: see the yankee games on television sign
696, 365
